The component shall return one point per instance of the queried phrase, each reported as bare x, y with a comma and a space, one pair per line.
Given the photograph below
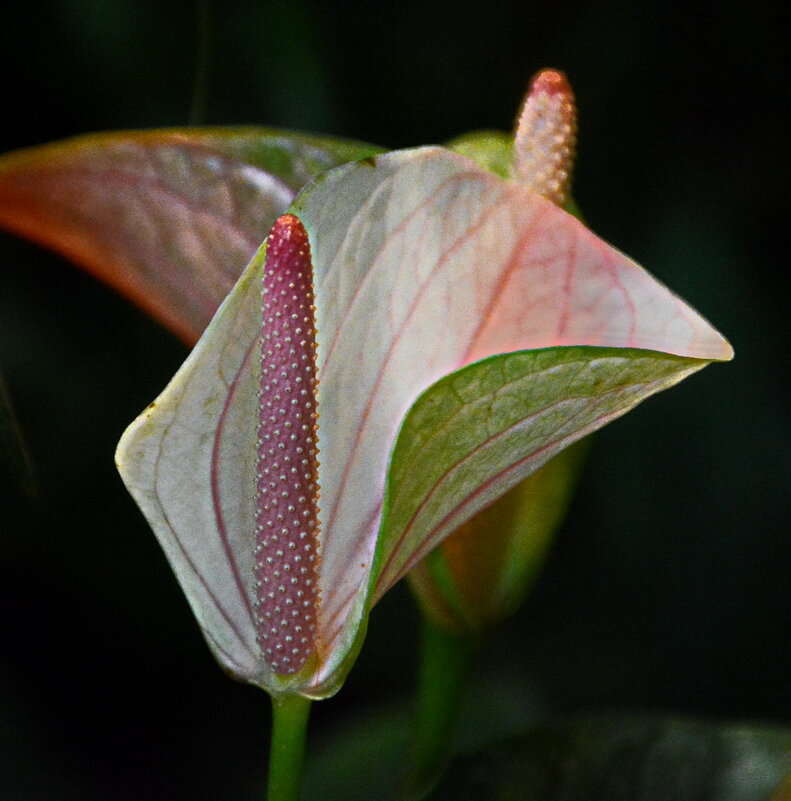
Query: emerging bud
546, 137
286, 541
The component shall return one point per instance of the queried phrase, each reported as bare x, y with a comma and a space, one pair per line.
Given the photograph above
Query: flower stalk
445, 658
287, 749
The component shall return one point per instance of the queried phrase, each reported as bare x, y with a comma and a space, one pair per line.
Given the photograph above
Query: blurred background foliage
669, 585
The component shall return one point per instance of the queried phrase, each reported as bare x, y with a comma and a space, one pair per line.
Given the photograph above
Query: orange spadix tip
551, 82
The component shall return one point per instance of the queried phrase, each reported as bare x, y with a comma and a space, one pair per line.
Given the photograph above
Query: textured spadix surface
287, 491
422, 263
546, 137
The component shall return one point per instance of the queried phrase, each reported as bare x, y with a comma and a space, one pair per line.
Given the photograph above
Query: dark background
669, 586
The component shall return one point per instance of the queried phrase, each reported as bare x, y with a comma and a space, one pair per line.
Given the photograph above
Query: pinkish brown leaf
168, 218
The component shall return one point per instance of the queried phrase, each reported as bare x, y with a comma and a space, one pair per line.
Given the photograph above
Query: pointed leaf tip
546, 137
287, 465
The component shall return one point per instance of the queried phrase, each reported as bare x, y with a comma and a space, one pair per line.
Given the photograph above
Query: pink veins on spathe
287, 491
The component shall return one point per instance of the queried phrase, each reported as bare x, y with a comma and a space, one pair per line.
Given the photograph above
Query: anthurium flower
429, 334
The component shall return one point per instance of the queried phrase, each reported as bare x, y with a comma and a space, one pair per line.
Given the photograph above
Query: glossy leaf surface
422, 262
169, 218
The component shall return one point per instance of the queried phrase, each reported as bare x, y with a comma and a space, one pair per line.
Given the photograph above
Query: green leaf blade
502, 419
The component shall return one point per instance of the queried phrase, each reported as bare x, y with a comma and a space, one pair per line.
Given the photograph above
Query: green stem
287, 752
444, 666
